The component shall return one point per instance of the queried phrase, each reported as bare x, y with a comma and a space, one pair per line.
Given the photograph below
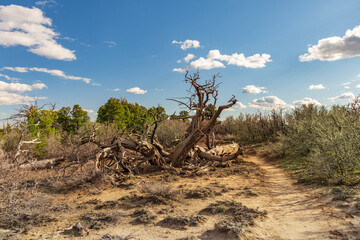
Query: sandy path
294, 212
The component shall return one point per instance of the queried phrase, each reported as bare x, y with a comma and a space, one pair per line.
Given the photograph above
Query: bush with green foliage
128, 116
253, 128
327, 140
71, 120
170, 132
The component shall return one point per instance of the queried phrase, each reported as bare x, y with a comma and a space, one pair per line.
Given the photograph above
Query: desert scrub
324, 142
180, 220
238, 211
158, 191
170, 132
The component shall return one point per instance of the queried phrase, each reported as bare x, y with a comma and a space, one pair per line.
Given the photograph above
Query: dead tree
201, 94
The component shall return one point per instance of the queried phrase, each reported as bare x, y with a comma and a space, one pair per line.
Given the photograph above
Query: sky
269, 54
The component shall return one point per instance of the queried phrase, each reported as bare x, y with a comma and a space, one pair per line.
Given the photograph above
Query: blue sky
268, 53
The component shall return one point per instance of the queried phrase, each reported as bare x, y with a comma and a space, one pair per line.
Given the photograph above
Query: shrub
170, 132
327, 140
158, 191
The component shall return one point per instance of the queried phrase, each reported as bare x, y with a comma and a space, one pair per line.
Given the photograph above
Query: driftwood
43, 164
221, 153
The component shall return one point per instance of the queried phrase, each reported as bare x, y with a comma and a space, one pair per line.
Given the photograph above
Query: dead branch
43, 164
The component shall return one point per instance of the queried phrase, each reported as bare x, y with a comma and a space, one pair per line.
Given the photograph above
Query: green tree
123, 114
78, 117
72, 120
209, 110
184, 114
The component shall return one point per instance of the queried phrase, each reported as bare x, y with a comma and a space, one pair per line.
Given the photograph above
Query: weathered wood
221, 153
43, 164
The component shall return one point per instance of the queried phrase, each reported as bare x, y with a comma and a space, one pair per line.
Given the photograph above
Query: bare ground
293, 211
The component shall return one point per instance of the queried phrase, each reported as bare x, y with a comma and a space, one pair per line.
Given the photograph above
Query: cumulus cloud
29, 27
53, 72
269, 103
116, 89
253, 89
19, 87
215, 60
335, 48
7, 98
347, 95
187, 44
306, 101
208, 63
316, 87
189, 57
89, 111
254, 61
239, 105
229, 110
201, 63
136, 90
181, 70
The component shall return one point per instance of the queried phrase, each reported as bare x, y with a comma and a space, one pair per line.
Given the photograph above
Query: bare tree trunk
178, 156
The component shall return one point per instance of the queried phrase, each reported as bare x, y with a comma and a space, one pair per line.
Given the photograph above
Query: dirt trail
294, 211
297, 212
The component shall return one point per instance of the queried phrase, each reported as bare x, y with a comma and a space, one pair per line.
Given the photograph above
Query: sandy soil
293, 211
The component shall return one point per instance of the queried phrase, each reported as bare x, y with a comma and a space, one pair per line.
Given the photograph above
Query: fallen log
43, 164
221, 153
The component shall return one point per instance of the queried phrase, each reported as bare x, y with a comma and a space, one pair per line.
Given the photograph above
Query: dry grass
158, 191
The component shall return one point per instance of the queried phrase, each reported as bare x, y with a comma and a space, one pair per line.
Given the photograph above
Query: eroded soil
281, 208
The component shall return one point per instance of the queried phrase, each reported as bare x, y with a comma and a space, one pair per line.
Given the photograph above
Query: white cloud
208, 63
7, 98
254, 61
110, 43
136, 90
306, 101
189, 57
253, 89
181, 70
30, 28
346, 87
357, 86
43, 3
239, 105
16, 69
214, 60
187, 44
89, 111
347, 95
116, 89
335, 48
178, 61
269, 103
53, 72
316, 87
19, 87
8, 78
346, 83
229, 110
